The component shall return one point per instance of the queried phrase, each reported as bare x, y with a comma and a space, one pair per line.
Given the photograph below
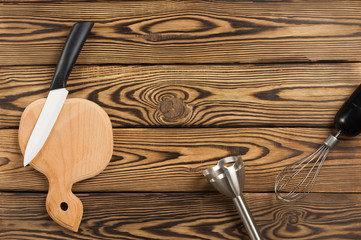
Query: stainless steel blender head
229, 180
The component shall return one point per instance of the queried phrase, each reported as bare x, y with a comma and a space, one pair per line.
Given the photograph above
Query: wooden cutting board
79, 146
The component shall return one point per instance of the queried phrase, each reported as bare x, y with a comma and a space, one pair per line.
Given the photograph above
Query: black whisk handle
348, 118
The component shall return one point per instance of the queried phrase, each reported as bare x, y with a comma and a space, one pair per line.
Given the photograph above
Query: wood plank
189, 96
167, 160
184, 216
129, 32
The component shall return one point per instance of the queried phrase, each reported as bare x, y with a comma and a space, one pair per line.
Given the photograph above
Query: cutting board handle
63, 206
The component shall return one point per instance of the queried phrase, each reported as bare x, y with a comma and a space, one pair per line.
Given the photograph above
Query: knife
57, 95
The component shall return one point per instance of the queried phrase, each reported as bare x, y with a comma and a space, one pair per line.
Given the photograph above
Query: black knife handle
71, 50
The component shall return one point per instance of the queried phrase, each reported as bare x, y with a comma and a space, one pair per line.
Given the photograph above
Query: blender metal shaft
246, 217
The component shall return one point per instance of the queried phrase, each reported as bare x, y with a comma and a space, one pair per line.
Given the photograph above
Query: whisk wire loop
290, 168
301, 188
293, 182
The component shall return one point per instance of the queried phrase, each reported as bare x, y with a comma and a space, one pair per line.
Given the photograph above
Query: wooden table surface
186, 83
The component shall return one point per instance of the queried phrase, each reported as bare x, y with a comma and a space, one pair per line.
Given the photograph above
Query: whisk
298, 179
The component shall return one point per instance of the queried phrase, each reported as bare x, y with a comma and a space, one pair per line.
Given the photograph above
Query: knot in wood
173, 109
4, 161
293, 218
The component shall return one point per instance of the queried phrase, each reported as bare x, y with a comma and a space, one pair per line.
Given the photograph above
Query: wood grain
184, 216
193, 96
79, 146
170, 159
129, 32
137, 65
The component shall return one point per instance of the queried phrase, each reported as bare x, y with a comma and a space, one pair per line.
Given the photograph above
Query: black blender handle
71, 50
348, 118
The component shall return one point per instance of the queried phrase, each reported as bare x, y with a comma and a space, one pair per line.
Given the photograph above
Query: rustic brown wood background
186, 83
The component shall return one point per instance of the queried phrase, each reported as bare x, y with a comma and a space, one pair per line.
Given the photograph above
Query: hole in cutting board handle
64, 206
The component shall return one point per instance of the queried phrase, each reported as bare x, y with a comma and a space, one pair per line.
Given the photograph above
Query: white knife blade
57, 95
50, 112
